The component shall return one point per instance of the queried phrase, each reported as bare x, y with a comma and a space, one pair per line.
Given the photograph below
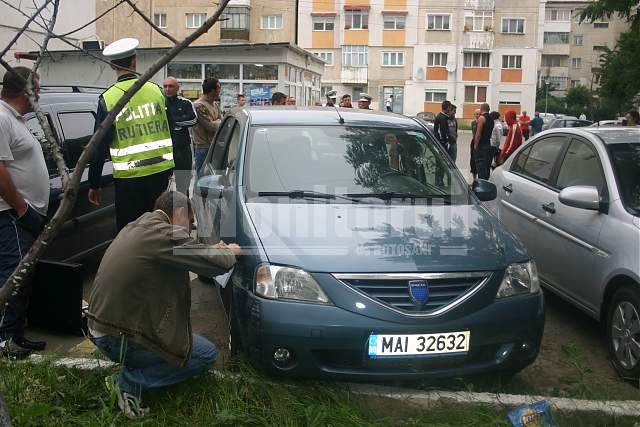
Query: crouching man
140, 303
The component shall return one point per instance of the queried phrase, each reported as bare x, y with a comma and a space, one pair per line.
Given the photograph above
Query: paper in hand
223, 279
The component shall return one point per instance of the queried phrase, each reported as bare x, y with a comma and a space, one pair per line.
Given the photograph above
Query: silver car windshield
626, 164
351, 161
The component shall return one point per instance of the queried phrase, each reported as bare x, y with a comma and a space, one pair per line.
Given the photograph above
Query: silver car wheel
625, 334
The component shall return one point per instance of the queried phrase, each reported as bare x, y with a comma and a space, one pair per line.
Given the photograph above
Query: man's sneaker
10, 349
31, 345
130, 405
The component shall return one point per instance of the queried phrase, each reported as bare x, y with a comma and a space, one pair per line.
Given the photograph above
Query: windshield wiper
305, 194
389, 195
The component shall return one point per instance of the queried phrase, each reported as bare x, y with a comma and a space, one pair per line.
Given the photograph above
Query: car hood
346, 238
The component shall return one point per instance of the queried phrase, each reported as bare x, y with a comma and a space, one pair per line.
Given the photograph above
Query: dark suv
71, 115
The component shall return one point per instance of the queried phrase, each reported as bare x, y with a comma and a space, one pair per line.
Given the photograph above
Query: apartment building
571, 51
367, 45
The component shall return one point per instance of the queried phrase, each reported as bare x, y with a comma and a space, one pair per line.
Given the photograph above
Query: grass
41, 394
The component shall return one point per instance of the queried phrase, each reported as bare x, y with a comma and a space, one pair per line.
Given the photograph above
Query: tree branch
90, 22
150, 22
24, 28
27, 265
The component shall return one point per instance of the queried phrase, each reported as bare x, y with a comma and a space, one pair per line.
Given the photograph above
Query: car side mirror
211, 186
485, 190
581, 197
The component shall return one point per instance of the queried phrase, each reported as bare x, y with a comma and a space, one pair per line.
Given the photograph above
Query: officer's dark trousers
483, 158
135, 196
183, 159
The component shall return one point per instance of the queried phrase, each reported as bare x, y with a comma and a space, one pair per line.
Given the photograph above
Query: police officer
364, 103
139, 141
332, 97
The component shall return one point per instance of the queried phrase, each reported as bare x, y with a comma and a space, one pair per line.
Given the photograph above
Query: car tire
623, 331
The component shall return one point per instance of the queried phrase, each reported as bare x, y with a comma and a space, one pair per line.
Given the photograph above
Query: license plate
418, 344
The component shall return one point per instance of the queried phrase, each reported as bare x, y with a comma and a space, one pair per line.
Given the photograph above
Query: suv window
518, 164
34, 126
581, 166
542, 157
77, 128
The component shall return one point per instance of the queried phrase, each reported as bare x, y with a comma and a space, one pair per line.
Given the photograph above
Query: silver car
573, 197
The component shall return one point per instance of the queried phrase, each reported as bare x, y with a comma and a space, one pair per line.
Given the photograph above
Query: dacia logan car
367, 256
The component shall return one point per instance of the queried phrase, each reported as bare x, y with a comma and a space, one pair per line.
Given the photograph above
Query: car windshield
626, 164
358, 162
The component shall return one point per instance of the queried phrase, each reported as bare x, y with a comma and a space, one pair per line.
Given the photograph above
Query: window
236, 18
476, 59
581, 166
253, 72
599, 48
326, 57
558, 82
195, 20
600, 25
271, 22
578, 40
556, 38
475, 94
563, 15
77, 128
222, 71
435, 96
438, 22
357, 19
512, 61
551, 60
38, 133
513, 25
392, 59
322, 24
160, 20
479, 21
184, 71
576, 83
394, 22
437, 59
541, 158
354, 56
576, 62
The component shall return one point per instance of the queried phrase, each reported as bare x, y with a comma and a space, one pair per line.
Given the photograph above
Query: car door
527, 183
576, 231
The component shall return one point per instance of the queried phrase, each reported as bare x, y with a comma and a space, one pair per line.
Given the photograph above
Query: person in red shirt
524, 125
514, 137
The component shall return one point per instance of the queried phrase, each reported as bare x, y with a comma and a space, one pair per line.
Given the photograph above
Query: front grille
393, 290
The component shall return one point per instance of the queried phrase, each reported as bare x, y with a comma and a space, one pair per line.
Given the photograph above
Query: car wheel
623, 331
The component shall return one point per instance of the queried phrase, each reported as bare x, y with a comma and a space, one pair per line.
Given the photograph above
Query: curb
625, 408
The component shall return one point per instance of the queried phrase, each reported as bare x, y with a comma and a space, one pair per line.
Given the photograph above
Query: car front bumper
330, 342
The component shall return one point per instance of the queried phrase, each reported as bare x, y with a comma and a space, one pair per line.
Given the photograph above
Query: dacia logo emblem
419, 292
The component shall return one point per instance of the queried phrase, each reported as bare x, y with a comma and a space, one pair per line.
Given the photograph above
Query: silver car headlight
277, 282
519, 279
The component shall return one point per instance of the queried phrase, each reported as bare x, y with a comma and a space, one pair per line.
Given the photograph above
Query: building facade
571, 50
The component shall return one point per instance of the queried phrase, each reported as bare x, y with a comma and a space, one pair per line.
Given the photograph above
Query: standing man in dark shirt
184, 116
139, 140
482, 142
441, 125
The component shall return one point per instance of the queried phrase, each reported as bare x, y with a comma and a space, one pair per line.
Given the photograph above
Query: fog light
281, 356
503, 352
525, 346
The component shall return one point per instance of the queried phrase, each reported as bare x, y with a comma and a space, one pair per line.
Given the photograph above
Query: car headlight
288, 283
519, 279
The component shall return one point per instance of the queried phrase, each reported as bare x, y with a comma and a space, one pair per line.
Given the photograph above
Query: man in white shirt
389, 103
583, 116
24, 199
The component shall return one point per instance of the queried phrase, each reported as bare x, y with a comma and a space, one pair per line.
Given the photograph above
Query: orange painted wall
356, 37
437, 73
355, 2
433, 107
468, 109
475, 74
393, 37
395, 4
322, 39
503, 108
324, 6
511, 75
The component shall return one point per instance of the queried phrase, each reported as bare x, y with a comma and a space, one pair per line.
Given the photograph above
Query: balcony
354, 75
480, 4
556, 49
478, 40
232, 34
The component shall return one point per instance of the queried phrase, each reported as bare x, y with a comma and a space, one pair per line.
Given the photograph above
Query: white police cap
364, 97
333, 94
122, 48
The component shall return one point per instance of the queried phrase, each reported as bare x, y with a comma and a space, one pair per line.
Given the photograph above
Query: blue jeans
201, 155
143, 369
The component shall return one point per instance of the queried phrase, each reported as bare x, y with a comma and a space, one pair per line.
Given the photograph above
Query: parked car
71, 115
573, 197
567, 122
368, 255
428, 118
609, 123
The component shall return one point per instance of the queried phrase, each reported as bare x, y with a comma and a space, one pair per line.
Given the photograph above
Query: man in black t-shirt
482, 142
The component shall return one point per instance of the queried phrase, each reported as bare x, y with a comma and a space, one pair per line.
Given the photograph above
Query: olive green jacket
142, 288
